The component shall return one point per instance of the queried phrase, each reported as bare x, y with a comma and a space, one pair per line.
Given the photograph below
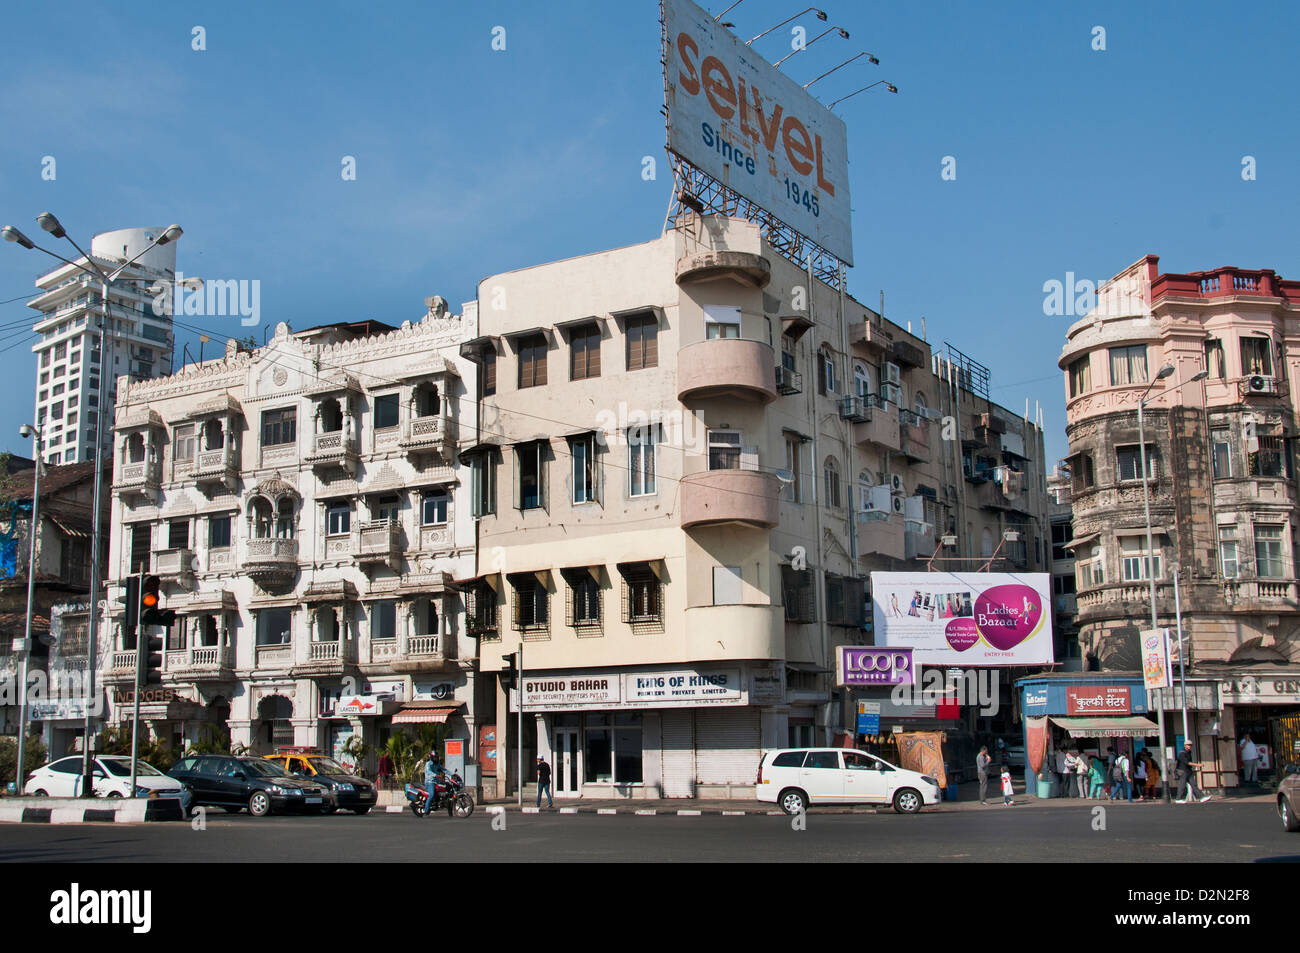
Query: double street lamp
1163, 373
49, 223
33, 431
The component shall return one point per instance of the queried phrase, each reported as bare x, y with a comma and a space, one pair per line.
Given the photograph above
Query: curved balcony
726, 367
734, 632
748, 497
745, 268
272, 563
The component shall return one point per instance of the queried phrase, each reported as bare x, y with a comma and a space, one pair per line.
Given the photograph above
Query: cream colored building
688, 456
302, 504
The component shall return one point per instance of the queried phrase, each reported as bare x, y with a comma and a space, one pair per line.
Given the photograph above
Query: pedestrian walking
1140, 777
1097, 777
1059, 761
1007, 789
1068, 775
1186, 780
543, 782
1249, 759
1120, 779
1081, 769
982, 761
1153, 777
385, 770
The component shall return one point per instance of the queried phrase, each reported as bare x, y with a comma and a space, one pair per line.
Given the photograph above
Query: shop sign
767, 686
149, 696
1097, 700
1035, 701
434, 691
358, 705
390, 690
66, 709
696, 687
858, 665
1256, 690
548, 691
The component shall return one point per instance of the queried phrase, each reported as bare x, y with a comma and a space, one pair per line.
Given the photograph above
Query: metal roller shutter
727, 745
679, 752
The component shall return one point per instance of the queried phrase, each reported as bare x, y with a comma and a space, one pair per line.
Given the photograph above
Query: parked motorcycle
449, 794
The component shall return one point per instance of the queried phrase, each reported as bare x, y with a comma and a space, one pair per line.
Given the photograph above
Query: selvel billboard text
737, 118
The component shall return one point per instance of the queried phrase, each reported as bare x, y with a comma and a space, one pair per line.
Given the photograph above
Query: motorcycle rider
434, 774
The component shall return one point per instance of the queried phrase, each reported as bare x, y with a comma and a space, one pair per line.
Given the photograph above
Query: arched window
831, 471
284, 518
919, 405
861, 380
259, 511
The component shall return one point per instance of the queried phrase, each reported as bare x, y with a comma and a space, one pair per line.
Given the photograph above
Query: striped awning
1115, 726
412, 715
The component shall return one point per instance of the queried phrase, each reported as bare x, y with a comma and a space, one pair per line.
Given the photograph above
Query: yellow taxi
345, 789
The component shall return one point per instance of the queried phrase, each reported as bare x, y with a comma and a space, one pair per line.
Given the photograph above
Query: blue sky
472, 161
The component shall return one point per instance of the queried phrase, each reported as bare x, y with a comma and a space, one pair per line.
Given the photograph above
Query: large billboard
734, 116
965, 619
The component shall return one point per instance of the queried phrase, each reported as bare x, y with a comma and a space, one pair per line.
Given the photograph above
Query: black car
235, 783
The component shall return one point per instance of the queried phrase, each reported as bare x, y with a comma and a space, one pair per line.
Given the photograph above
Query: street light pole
26, 654
1164, 372
51, 224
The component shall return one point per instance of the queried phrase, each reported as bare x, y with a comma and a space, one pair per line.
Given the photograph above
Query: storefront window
612, 752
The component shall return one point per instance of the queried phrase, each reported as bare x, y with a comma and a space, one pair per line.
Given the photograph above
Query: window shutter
542, 482
539, 362
821, 374
593, 352
634, 348
490, 373
651, 349
578, 356
597, 473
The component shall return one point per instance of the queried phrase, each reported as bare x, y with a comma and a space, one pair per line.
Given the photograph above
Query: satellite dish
785, 476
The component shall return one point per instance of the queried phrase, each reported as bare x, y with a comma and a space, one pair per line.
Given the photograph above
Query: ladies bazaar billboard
734, 116
965, 619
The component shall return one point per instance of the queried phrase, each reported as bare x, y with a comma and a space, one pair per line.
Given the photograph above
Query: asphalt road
1215, 832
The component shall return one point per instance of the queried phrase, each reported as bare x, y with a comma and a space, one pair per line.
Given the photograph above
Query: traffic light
151, 610
508, 673
151, 652
131, 603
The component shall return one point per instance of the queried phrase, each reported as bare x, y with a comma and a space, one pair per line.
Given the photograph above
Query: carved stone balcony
142, 480
121, 668
201, 663
215, 469
747, 497
434, 434
272, 563
426, 653
726, 367
333, 449
379, 542
174, 563
326, 658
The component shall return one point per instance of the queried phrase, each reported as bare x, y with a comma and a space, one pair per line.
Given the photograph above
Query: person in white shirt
1249, 760
1070, 771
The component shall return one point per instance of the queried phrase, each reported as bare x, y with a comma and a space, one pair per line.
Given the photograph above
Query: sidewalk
689, 807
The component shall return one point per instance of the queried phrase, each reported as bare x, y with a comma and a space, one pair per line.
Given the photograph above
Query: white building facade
302, 504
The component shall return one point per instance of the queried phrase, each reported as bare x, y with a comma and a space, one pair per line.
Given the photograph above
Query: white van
797, 777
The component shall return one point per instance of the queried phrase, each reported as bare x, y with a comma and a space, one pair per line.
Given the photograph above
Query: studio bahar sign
644, 689
965, 619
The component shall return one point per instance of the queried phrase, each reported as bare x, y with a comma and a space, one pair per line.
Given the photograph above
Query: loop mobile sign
966, 619
735, 117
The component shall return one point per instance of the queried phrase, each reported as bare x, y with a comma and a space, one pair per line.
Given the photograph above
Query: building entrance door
566, 774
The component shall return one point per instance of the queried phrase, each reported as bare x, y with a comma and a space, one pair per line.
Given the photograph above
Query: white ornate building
301, 503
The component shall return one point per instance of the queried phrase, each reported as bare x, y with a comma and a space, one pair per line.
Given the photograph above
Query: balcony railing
424, 645
380, 540
146, 475
173, 562
334, 446
435, 433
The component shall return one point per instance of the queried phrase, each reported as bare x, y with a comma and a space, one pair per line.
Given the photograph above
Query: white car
798, 777
62, 778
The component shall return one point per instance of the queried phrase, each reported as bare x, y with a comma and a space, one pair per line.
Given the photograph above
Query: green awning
1116, 726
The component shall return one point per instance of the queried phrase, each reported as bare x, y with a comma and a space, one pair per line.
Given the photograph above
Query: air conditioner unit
891, 393
896, 484
891, 373
1261, 385
898, 504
